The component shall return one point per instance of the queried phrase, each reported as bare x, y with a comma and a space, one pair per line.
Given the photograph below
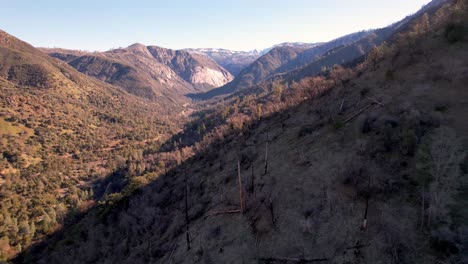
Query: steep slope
313, 53
151, 72
349, 48
117, 73
353, 175
61, 133
341, 55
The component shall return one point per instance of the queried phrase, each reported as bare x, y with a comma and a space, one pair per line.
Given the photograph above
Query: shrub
364, 91
338, 124
30, 75
390, 75
408, 142
440, 108
309, 129
306, 130
454, 33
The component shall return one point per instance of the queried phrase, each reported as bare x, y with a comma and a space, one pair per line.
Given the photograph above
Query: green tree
277, 88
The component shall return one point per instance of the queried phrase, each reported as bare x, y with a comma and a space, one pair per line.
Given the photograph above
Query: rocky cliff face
203, 75
196, 69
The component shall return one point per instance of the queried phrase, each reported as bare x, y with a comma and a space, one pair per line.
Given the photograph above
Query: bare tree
241, 189
266, 154
187, 219
438, 164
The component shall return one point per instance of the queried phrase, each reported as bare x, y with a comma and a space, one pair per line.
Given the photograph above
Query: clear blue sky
239, 25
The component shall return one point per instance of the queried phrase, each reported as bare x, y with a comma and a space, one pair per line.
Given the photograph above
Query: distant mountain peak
137, 45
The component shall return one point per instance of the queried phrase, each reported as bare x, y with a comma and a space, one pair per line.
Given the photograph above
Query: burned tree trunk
266, 154
187, 219
272, 212
241, 191
364, 222
422, 208
252, 178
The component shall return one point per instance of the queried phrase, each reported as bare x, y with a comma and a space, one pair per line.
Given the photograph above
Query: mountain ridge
311, 61
149, 71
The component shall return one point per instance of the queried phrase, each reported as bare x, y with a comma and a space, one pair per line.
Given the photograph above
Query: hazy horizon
242, 26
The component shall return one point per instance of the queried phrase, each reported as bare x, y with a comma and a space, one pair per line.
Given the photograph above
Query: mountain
310, 61
368, 170
256, 72
350, 52
283, 58
236, 61
339, 55
66, 140
150, 72
317, 51
233, 61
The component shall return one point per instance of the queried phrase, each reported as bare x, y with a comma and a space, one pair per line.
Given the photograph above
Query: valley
347, 151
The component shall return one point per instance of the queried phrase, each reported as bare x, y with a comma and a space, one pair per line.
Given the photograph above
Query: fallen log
223, 212
358, 113
298, 260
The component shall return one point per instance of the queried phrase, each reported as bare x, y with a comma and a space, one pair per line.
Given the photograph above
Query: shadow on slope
323, 169
341, 181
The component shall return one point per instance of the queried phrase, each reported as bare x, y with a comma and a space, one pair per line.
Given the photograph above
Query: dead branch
172, 253
358, 246
341, 106
375, 101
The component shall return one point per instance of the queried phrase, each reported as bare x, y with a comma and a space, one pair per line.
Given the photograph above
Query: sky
98, 25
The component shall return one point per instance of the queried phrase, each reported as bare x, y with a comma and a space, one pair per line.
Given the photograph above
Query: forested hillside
67, 141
